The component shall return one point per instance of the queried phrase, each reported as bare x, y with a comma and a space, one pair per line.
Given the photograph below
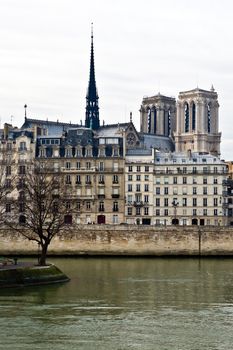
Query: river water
124, 303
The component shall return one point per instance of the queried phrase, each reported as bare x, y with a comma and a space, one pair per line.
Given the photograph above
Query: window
157, 212
157, 190
88, 205
205, 212
205, 181
115, 219
22, 170
157, 202
22, 146
8, 207
185, 180
184, 170
115, 179
130, 211
215, 181
215, 190
8, 170
174, 180
204, 190
68, 180
166, 181
194, 170
88, 179
194, 190
194, 212
146, 198
205, 170
165, 202
165, 212
138, 187
21, 207
184, 190
130, 168
184, 202
101, 179
146, 211
138, 211
205, 202
215, 170
175, 190
146, 188
130, 198
215, 212
194, 180
130, 188
68, 219
115, 206
138, 177
194, 202
8, 183
138, 169
146, 168
146, 177
101, 166
130, 177
101, 206
215, 202
78, 206
88, 165
165, 190
157, 180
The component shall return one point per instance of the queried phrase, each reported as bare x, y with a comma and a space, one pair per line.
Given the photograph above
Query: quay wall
127, 240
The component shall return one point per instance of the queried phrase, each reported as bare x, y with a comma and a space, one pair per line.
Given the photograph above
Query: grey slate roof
160, 143
54, 128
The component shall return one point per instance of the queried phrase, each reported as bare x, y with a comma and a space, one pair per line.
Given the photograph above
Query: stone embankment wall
127, 240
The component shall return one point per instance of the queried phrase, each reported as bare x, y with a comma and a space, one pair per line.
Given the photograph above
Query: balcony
101, 209
115, 209
88, 183
78, 183
101, 196
138, 204
115, 195
101, 182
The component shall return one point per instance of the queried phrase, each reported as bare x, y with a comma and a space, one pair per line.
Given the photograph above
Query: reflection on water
111, 303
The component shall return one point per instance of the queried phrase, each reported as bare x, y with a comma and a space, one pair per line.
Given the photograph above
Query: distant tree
42, 206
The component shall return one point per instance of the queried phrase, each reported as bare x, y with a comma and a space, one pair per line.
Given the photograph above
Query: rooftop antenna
131, 117
25, 111
12, 119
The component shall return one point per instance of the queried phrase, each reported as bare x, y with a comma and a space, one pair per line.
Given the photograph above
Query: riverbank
127, 240
29, 274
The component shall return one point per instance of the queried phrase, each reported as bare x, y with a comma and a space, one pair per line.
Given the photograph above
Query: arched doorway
175, 222
101, 219
194, 222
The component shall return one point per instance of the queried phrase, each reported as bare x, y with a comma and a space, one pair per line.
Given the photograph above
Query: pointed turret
92, 103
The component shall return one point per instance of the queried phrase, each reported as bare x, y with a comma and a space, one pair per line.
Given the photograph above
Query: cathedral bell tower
197, 124
92, 98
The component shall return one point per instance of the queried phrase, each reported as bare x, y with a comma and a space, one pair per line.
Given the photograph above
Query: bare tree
42, 206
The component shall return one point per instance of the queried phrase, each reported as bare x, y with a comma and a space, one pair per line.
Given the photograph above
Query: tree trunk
43, 255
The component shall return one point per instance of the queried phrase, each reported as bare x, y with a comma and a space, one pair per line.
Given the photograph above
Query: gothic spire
92, 108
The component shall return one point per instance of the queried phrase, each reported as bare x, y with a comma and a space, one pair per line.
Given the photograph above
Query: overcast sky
141, 48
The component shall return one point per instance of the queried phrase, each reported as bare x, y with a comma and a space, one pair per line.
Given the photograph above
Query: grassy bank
20, 276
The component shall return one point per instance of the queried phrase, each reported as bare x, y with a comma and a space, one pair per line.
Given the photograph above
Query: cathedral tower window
193, 116
186, 117
208, 118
